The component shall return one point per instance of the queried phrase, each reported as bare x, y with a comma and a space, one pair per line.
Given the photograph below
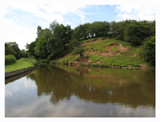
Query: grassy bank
106, 52
20, 64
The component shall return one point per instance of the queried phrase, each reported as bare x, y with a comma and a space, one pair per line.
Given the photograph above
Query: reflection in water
69, 91
13, 78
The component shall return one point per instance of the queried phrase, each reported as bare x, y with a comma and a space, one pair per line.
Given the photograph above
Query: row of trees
12, 48
50, 42
53, 42
132, 31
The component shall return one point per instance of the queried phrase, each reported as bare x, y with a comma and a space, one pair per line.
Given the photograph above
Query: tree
30, 48
87, 30
78, 50
23, 54
41, 48
149, 51
12, 48
135, 33
79, 33
9, 50
100, 28
53, 25
117, 29
63, 33
55, 45
74, 43
39, 30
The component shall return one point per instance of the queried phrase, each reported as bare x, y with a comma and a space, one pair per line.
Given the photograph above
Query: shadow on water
13, 78
99, 85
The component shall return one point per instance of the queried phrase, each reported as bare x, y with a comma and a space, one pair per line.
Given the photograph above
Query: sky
21, 19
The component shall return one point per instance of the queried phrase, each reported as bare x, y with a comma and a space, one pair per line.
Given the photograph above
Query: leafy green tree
23, 54
39, 30
79, 33
149, 28
9, 50
12, 48
55, 45
87, 28
30, 48
78, 50
74, 43
41, 48
53, 25
64, 33
100, 28
117, 29
135, 33
149, 51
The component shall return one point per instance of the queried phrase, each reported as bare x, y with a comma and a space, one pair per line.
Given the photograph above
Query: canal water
62, 91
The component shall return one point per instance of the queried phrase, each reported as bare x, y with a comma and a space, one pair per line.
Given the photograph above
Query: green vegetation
132, 56
10, 59
97, 37
11, 48
20, 64
95, 58
56, 40
149, 51
98, 45
78, 50
114, 49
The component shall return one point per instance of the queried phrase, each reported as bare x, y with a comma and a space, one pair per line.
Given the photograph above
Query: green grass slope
107, 52
20, 64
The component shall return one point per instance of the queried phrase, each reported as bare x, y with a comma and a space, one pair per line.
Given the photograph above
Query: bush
9, 59
148, 52
89, 64
81, 64
78, 50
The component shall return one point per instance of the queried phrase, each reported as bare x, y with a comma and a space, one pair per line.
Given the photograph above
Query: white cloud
21, 35
8, 93
50, 12
136, 11
29, 84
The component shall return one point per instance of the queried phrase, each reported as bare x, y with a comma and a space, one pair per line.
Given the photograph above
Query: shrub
81, 64
89, 64
9, 59
148, 52
78, 50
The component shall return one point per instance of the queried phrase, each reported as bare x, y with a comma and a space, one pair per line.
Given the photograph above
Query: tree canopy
13, 49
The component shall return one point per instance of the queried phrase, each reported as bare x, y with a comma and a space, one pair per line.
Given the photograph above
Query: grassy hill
106, 52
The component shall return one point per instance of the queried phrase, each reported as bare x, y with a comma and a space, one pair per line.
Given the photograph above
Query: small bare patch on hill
121, 49
133, 55
110, 53
111, 46
84, 60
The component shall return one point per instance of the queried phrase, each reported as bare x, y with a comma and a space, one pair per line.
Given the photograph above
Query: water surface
61, 91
